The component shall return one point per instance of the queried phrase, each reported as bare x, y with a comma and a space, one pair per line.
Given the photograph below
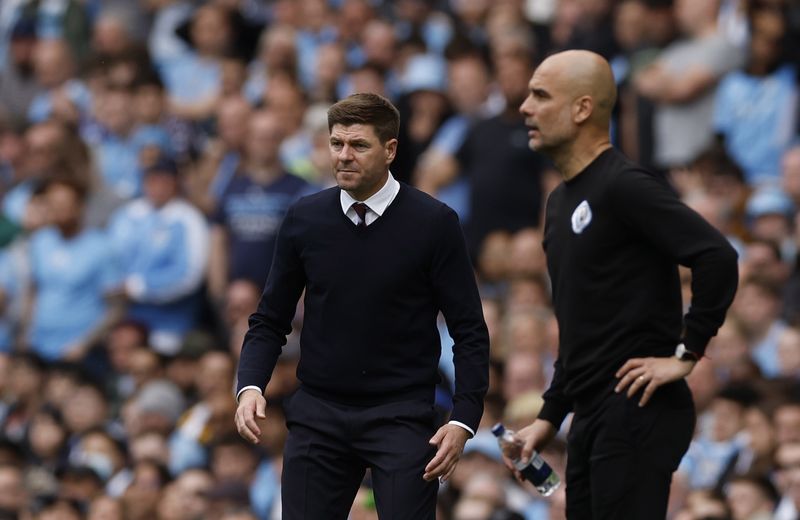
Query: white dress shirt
376, 204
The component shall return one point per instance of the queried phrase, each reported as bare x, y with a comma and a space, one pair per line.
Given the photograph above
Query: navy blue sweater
372, 298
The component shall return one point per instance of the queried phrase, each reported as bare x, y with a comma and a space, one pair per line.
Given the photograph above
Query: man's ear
391, 149
582, 109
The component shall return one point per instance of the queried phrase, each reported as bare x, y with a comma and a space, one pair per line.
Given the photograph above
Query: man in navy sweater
614, 237
378, 261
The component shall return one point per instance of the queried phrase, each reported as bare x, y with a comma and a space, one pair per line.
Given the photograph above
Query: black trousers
330, 445
620, 457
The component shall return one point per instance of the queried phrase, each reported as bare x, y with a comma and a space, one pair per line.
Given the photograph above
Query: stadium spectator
757, 308
71, 267
682, 81
750, 112
505, 176
161, 242
251, 208
18, 86
222, 156
787, 462
193, 76
63, 96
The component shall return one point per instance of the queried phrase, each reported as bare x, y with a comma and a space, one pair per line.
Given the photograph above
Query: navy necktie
361, 210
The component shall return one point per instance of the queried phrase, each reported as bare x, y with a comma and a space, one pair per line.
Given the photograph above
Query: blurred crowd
148, 152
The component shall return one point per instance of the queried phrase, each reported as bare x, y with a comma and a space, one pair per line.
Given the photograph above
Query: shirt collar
378, 202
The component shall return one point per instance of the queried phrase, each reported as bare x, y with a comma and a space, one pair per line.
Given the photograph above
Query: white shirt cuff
249, 387
472, 433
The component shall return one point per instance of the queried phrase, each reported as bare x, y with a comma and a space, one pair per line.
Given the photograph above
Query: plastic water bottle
536, 471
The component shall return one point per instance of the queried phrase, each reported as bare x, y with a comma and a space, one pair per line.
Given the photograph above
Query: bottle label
536, 476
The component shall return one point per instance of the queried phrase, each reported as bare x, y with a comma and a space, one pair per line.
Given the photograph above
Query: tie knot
361, 210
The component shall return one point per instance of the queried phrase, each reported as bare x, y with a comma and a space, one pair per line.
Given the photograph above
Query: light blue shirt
765, 353
706, 459
163, 42
118, 161
72, 277
758, 117
16, 200
190, 78
163, 254
42, 105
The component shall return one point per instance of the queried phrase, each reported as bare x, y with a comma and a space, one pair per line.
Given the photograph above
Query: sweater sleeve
457, 295
556, 403
272, 320
649, 206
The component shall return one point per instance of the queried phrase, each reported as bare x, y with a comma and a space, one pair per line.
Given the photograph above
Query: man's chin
538, 146
345, 177
346, 185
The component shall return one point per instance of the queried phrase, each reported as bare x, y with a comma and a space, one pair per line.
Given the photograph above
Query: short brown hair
367, 109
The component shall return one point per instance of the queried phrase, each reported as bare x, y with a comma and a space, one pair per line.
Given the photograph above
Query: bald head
585, 73
568, 108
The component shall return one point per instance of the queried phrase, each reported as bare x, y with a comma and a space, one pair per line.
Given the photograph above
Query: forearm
658, 85
436, 170
194, 111
260, 351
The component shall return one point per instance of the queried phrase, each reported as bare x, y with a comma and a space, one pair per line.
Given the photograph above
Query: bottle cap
498, 429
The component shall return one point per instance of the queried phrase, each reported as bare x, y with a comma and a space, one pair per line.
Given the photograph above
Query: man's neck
574, 160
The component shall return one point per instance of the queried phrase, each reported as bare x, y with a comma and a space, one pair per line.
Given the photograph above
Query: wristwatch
685, 355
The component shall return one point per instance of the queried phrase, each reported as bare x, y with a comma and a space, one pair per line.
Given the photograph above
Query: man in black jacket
614, 237
378, 261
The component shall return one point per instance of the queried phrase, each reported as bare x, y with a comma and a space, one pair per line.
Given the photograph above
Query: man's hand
252, 407
450, 439
535, 436
651, 371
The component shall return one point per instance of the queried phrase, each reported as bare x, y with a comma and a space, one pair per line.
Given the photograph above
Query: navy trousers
620, 457
330, 445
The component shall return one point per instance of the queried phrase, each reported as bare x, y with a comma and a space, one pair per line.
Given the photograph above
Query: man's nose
525, 108
346, 153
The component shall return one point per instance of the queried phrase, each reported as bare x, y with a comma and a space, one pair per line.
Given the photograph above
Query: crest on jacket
581, 217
